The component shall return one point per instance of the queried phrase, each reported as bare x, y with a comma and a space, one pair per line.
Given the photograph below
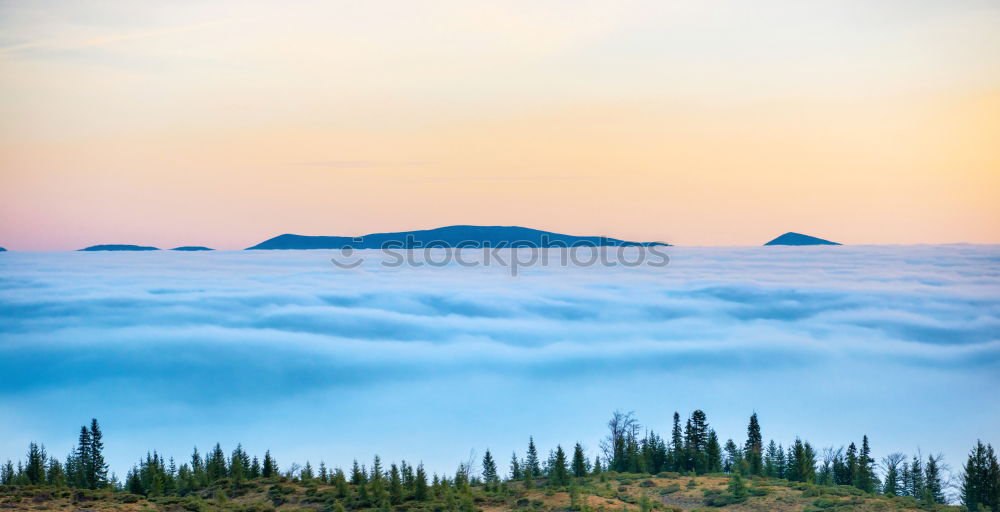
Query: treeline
692, 448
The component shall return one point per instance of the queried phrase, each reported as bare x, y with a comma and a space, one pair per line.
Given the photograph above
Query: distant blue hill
192, 248
799, 239
2, 249
450, 236
119, 247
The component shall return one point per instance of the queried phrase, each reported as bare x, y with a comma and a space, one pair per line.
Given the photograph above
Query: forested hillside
634, 469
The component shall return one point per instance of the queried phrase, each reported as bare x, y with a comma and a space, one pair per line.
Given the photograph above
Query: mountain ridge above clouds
463, 236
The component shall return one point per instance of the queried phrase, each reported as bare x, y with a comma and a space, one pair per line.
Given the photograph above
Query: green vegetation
640, 472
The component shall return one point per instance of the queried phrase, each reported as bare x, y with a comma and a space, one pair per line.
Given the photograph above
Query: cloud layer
821, 340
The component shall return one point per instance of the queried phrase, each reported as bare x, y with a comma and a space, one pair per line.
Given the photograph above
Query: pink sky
697, 123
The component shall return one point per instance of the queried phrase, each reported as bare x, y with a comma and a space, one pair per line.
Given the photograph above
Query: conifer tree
713, 453
597, 465
83, 464
340, 483
754, 446
893, 479
771, 460
559, 475
678, 457
933, 486
579, 461
490, 476
915, 485
97, 468
7, 473
377, 482
980, 488
270, 469
865, 476
515, 467
255, 468
532, 467
34, 469
733, 458
396, 485
55, 476
420, 486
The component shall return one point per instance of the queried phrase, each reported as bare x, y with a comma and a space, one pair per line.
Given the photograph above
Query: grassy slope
614, 494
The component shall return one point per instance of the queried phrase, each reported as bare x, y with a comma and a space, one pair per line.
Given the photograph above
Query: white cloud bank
882, 335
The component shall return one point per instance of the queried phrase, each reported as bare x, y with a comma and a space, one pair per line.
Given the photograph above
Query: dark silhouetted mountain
799, 239
192, 248
119, 247
450, 236
2, 249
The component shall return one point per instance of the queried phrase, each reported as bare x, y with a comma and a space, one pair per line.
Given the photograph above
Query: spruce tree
865, 478
420, 485
559, 476
733, 458
532, 467
754, 447
83, 464
915, 485
490, 476
55, 476
933, 487
34, 469
713, 453
579, 461
677, 445
396, 485
771, 460
515, 467
893, 478
269, 468
98, 468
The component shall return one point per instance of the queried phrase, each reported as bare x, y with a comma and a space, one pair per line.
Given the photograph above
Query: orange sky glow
695, 122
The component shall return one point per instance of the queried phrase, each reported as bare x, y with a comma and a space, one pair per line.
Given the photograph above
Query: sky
281, 350
692, 122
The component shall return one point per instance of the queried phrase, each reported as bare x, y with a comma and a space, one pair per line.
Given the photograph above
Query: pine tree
97, 468
237, 469
893, 479
980, 489
34, 469
597, 465
713, 453
678, 458
754, 447
515, 467
771, 460
933, 487
737, 490
420, 486
55, 476
255, 468
377, 481
7, 473
490, 476
532, 467
83, 464
865, 478
579, 461
270, 468
559, 476
396, 485
915, 485
734, 458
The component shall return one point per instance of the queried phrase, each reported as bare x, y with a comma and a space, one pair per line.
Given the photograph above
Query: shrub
647, 483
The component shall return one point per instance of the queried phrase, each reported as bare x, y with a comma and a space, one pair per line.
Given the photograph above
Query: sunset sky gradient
696, 122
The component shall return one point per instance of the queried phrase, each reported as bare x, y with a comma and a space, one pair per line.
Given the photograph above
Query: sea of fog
283, 350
